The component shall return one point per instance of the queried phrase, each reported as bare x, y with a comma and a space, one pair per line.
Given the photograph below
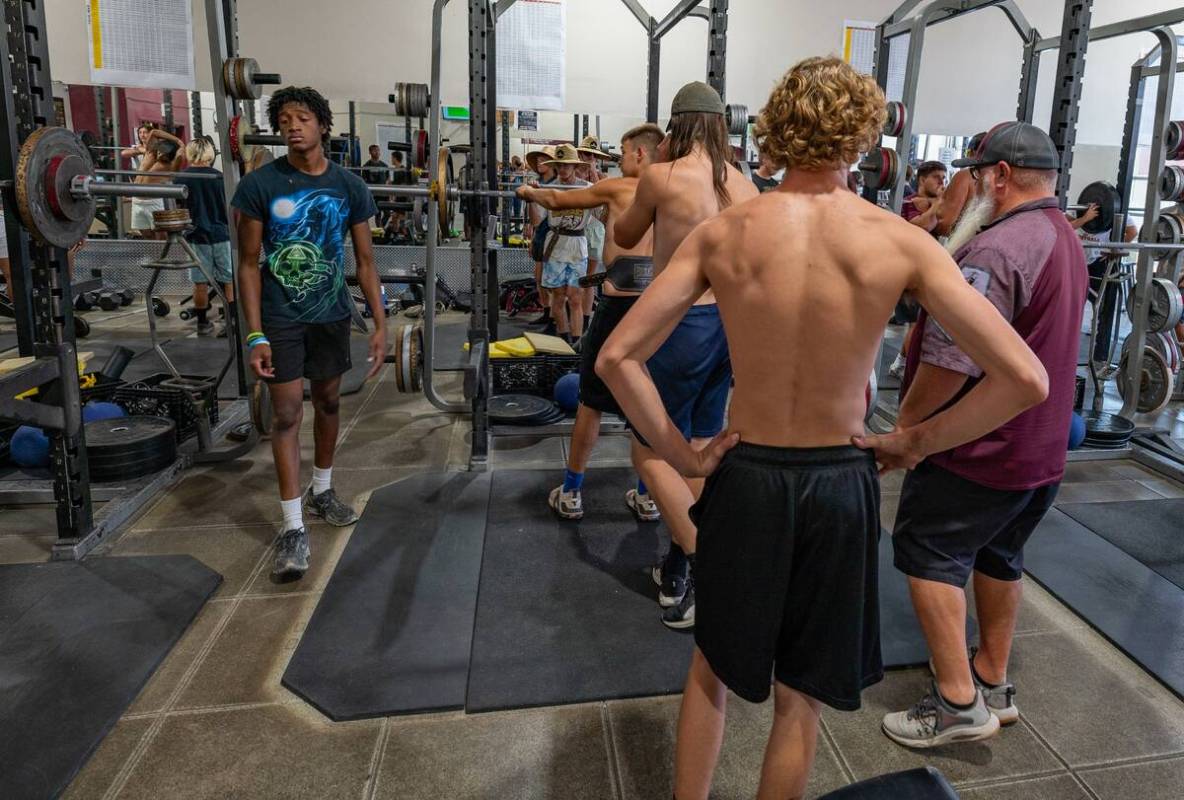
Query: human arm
630, 229
1090, 214
371, 288
1013, 380
643, 330
558, 200
953, 201
250, 290
160, 133
927, 219
931, 388
132, 152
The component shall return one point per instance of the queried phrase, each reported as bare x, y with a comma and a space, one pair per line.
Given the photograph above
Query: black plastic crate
147, 397
532, 375
104, 389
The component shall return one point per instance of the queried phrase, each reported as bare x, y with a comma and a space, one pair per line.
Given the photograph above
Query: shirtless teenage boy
639, 149
789, 519
691, 369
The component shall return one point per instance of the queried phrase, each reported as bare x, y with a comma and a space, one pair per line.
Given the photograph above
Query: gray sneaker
933, 722
205, 329
328, 507
291, 555
1000, 699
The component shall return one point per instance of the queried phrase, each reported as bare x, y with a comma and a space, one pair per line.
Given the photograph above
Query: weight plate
1164, 309
1109, 203
261, 407
1171, 183
237, 131
519, 409
1174, 141
737, 118
1155, 381
415, 356
895, 120
49, 159
419, 150
1169, 229
1106, 427
444, 179
129, 447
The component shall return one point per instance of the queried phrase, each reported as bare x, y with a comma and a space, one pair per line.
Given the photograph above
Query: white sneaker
896, 368
642, 506
568, 505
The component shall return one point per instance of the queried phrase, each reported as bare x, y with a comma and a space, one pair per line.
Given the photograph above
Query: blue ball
29, 447
1076, 431
97, 410
567, 391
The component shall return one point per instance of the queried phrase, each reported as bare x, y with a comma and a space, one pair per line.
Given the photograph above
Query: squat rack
483, 15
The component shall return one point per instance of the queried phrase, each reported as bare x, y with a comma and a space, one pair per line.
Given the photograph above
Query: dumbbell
160, 307
126, 296
86, 301
109, 301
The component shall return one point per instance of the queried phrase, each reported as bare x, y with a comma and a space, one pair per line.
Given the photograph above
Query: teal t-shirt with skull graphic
306, 219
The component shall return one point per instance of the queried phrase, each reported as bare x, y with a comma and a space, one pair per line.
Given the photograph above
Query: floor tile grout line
848, 772
610, 745
1056, 754
129, 765
376, 759
1129, 762
1007, 780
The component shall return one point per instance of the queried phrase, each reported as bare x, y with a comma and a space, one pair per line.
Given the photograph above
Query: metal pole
653, 65
912, 73
195, 113
1144, 271
1067, 94
353, 133
717, 46
1029, 76
166, 106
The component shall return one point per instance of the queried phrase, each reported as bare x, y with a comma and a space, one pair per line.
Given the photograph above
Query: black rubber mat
392, 631
450, 354
1148, 531
7, 342
567, 612
77, 643
1139, 611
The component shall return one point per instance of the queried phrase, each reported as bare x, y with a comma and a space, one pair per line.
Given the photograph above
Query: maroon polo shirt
1030, 265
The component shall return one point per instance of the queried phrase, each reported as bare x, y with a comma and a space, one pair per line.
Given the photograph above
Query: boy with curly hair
806, 277
296, 212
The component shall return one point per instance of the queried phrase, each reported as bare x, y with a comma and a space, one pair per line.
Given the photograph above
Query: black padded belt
630, 274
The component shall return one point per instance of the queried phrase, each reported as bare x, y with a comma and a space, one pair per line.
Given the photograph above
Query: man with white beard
971, 509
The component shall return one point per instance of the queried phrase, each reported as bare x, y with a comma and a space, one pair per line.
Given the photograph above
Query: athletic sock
676, 561
292, 516
958, 706
572, 481
201, 314
641, 487
321, 479
979, 678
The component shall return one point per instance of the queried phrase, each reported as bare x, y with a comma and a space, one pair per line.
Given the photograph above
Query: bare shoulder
740, 187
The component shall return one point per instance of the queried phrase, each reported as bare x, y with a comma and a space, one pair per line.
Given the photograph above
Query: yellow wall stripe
96, 33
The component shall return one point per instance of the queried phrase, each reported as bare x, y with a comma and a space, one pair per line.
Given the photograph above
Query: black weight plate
518, 409
130, 469
1103, 426
129, 447
115, 435
1109, 203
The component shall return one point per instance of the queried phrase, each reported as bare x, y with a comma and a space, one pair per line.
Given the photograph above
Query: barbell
56, 187
244, 81
244, 137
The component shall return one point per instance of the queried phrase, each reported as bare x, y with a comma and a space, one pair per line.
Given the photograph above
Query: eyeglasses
977, 170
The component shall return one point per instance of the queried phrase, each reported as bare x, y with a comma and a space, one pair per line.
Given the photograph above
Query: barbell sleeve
82, 186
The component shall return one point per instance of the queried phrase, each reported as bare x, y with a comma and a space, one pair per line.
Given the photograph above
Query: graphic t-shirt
305, 221
571, 249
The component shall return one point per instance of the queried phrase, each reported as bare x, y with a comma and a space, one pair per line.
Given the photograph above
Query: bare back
804, 302
685, 197
621, 192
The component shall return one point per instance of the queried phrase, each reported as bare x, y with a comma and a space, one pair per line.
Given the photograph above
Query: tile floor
214, 721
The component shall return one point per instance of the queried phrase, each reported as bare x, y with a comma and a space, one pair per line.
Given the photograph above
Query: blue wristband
259, 340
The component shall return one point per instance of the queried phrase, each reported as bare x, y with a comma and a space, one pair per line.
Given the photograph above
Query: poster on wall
528, 120
532, 55
147, 45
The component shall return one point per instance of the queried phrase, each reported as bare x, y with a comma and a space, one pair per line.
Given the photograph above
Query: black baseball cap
1020, 144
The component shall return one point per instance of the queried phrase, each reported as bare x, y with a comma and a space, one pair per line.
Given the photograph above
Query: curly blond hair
821, 115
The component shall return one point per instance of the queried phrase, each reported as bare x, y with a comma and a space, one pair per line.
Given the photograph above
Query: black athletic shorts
609, 313
947, 526
314, 350
786, 574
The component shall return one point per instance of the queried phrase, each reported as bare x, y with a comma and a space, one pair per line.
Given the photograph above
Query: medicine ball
97, 410
1076, 431
567, 391
29, 447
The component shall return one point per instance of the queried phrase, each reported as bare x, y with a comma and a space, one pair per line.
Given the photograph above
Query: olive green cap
697, 97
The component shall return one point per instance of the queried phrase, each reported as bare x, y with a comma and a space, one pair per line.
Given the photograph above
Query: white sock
898, 361
292, 516
321, 479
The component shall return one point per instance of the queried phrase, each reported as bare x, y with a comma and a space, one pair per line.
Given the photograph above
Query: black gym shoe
205, 328
682, 615
328, 507
671, 586
291, 555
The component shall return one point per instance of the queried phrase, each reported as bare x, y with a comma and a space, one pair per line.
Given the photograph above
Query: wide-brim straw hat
533, 157
566, 154
591, 146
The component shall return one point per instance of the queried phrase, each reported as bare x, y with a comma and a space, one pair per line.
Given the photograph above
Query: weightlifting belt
627, 274
553, 238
